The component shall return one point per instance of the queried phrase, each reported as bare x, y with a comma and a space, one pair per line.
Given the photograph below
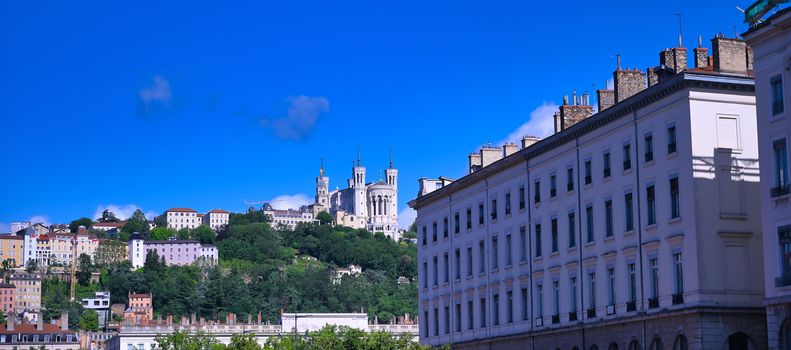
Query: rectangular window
508, 250
508, 203
540, 301
650, 198
553, 189
569, 179
556, 299
649, 147
425, 275
573, 294
589, 219
494, 254
652, 264
481, 257
435, 268
525, 304
456, 223
436, 322
784, 238
611, 286
629, 216
458, 317
606, 159
588, 172
457, 262
445, 227
632, 282
494, 209
538, 240
469, 261
425, 235
469, 218
678, 271
671, 139
447, 319
521, 197
675, 202
627, 156
554, 228
781, 186
480, 214
572, 228
470, 314
434, 231
522, 243
608, 217
509, 303
537, 194
592, 290
776, 83
496, 309
483, 312
446, 270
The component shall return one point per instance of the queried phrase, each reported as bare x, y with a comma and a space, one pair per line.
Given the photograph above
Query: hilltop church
372, 206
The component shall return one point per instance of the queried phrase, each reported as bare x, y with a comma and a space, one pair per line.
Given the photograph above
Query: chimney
509, 148
653, 77
64, 321
202, 321
730, 55
628, 82
193, 319
528, 141
570, 115
701, 54
474, 162
40, 321
259, 317
490, 155
169, 320
249, 318
674, 59
11, 322
606, 99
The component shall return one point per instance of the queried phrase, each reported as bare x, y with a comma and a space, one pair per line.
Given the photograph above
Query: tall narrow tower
358, 183
391, 175
322, 191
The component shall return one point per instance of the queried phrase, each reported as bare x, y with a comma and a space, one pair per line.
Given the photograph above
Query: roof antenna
321, 172
618, 60
680, 28
391, 157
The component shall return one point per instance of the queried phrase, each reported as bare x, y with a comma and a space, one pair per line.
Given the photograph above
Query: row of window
628, 199
781, 185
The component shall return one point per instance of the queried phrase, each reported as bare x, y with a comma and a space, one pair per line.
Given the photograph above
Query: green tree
204, 234
161, 233
324, 218
137, 223
86, 269
32, 265
243, 342
107, 216
89, 321
110, 253
185, 341
85, 222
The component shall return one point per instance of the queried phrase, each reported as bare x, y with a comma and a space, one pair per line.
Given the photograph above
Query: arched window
680, 343
739, 341
656, 344
613, 346
634, 345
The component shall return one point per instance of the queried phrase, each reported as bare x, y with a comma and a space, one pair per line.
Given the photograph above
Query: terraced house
634, 227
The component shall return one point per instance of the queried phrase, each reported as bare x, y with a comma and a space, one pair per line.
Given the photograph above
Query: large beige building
11, 248
28, 291
637, 227
216, 218
178, 218
771, 41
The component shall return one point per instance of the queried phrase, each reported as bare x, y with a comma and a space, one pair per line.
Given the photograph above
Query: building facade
636, 227
289, 217
368, 205
175, 252
216, 218
11, 248
7, 298
27, 291
101, 304
140, 309
178, 218
38, 336
771, 42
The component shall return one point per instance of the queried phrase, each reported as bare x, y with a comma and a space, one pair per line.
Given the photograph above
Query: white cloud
541, 124
290, 201
39, 219
158, 92
406, 217
122, 212
298, 124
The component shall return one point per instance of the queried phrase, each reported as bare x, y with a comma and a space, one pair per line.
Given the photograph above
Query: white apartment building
288, 217
771, 42
216, 218
636, 227
178, 218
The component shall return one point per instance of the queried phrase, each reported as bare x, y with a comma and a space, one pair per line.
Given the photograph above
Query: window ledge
537, 259
607, 179
626, 171
553, 198
445, 284
672, 155
568, 193
589, 186
469, 277
523, 262
572, 249
508, 215
674, 220
507, 267
609, 239
628, 233
590, 244
554, 254
495, 270
648, 163
481, 274
651, 227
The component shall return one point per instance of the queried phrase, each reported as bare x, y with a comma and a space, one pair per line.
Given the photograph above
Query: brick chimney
606, 98
528, 141
674, 59
701, 54
64, 321
573, 113
628, 82
509, 148
730, 55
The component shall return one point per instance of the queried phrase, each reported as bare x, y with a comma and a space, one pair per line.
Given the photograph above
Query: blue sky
205, 104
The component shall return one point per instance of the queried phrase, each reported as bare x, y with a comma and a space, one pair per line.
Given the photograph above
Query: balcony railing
783, 281
592, 313
631, 306
572, 316
653, 303
555, 319
780, 191
678, 298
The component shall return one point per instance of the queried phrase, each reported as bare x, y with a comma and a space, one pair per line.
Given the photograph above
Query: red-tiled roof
31, 329
218, 211
189, 210
18, 238
109, 224
135, 295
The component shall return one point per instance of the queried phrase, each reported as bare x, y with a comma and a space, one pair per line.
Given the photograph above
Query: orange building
11, 249
7, 293
140, 309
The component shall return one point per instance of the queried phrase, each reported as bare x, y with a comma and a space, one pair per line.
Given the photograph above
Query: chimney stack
259, 317
490, 154
606, 98
509, 148
40, 321
730, 55
569, 115
11, 322
701, 54
474, 162
628, 82
674, 59
64, 321
528, 141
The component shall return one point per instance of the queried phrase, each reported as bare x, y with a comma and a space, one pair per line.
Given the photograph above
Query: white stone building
178, 218
637, 227
216, 218
771, 42
369, 205
175, 252
101, 304
288, 217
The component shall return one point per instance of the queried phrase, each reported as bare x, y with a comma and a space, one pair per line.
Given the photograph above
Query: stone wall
606, 99
627, 83
730, 55
701, 57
